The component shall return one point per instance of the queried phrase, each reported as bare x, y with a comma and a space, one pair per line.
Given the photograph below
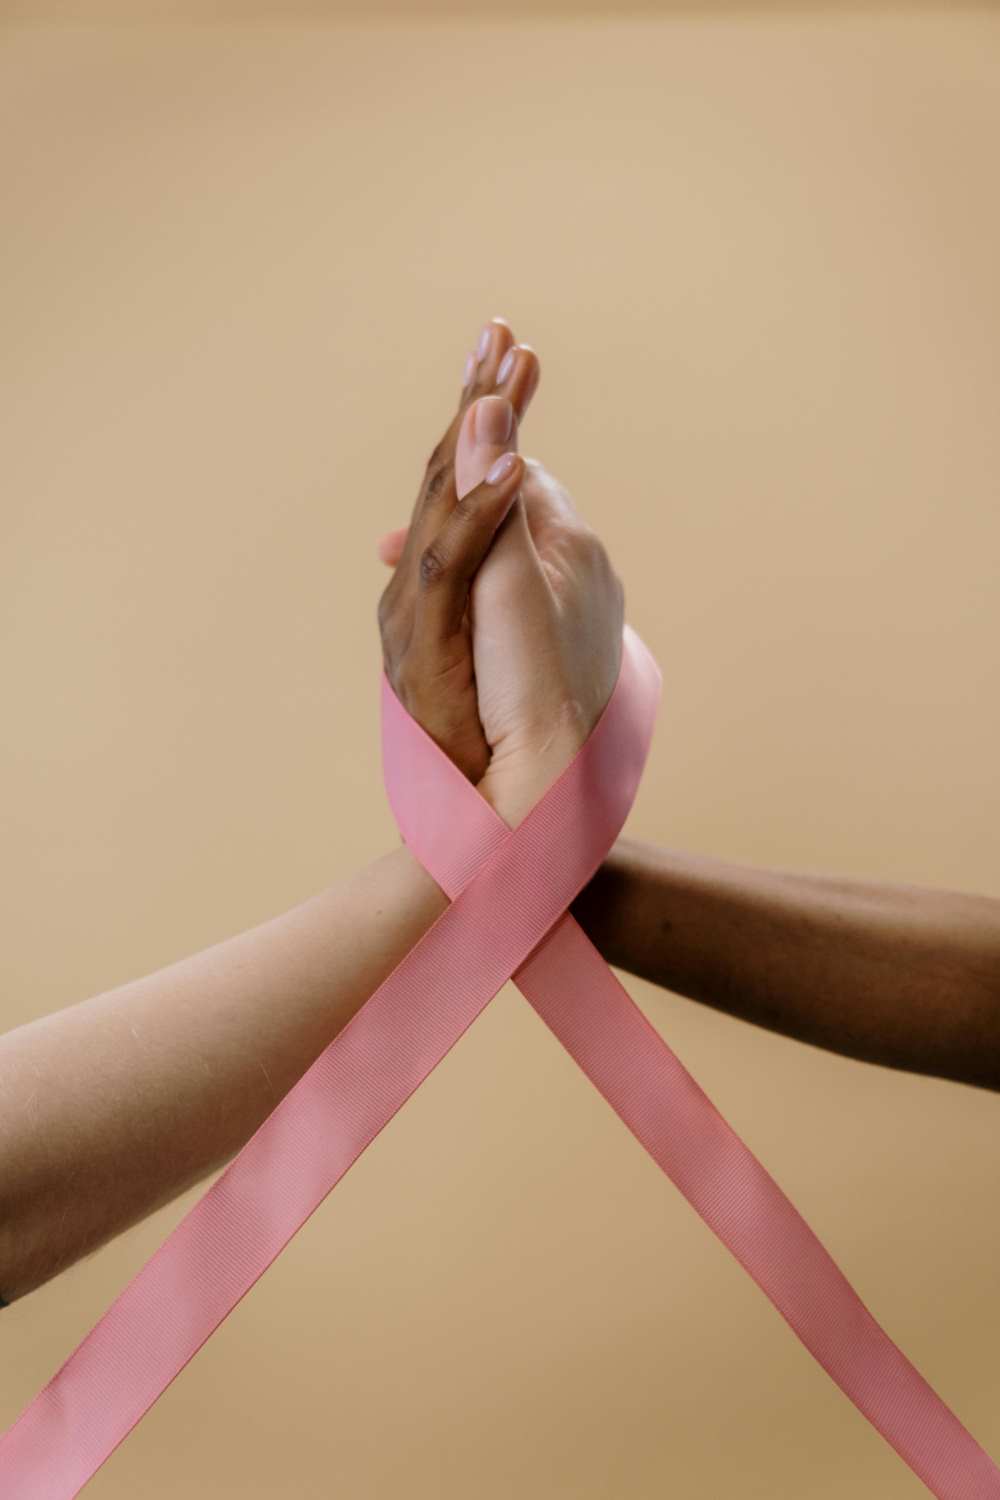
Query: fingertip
518, 377
534, 370
506, 472
389, 548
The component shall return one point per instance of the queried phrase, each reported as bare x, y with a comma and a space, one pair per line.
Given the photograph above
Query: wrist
518, 777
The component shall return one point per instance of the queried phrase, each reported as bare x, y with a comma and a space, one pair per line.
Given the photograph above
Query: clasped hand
502, 623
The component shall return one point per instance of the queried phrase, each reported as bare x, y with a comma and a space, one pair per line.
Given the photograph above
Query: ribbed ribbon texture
510, 891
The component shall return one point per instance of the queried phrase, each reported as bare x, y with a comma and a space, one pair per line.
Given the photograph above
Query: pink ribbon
508, 918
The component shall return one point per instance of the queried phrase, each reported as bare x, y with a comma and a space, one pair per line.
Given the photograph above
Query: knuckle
392, 614
402, 682
584, 541
393, 649
436, 477
385, 610
433, 565
465, 510
540, 477
592, 546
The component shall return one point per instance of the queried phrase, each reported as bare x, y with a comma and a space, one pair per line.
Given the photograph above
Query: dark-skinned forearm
899, 975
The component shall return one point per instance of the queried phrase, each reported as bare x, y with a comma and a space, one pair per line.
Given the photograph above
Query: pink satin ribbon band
508, 917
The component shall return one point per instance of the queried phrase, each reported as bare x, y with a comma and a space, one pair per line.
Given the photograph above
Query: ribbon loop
508, 917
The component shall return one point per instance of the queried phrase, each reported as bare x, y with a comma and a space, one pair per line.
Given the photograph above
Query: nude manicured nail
484, 341
470, 369
501, 468
506, 365
493, 422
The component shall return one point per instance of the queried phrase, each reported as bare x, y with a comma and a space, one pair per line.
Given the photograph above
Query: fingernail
501, 468
484, 340
506, 365
470, 369
494, 421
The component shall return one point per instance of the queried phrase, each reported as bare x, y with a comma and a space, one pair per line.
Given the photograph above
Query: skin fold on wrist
513, 784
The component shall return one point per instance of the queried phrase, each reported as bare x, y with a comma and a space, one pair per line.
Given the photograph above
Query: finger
485, 360
513, 550
517, 377
390, 547
437, 494
481, 366
520, 369
449, 563
511, 370
499, 367
488, 429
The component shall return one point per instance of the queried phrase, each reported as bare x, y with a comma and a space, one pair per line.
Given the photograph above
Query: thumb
390, 547
488, 429
513, 555
448, 565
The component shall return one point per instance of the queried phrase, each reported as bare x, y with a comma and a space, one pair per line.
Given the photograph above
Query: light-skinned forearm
893, 974
111, 1107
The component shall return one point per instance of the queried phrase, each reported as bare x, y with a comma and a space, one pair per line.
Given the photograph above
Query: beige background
757, 252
